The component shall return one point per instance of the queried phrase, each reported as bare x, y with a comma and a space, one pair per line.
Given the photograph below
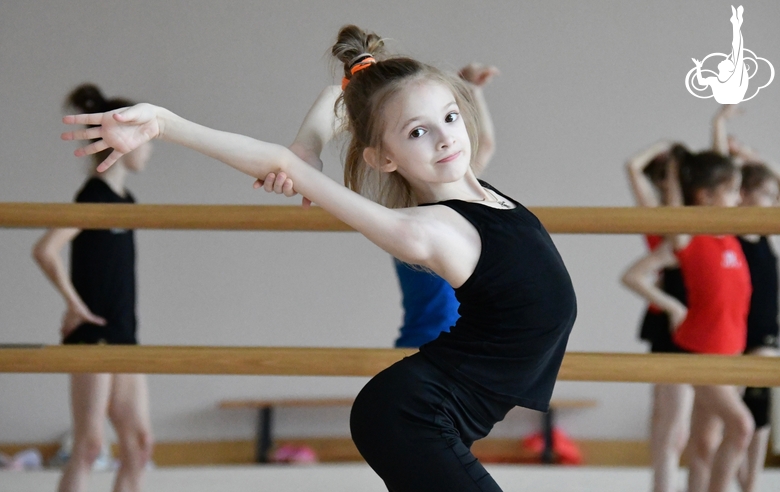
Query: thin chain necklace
500, 201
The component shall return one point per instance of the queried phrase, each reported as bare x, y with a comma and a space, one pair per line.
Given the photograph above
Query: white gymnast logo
735, 70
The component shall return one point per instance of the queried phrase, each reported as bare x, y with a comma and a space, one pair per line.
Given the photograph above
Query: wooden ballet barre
566, 220
299, 361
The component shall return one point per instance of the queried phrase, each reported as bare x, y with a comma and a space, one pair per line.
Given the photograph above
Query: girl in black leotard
412, 132
100, 299
759, 189
670, 422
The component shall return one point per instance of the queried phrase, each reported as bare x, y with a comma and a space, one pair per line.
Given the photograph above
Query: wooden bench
264, 437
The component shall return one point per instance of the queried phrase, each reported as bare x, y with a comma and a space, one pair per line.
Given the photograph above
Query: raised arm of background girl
647, 173
720, 137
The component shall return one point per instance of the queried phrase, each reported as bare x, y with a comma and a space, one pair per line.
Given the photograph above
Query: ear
376, 161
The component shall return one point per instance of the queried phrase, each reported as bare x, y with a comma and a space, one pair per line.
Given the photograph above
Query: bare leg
706, 436
754, 463
751, 468
669, 432
129, 413
89, 395
738, 428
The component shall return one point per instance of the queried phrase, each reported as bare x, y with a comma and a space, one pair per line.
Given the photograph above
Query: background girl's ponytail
88, 98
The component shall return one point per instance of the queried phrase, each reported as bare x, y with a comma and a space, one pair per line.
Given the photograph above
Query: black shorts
655, 329
414, 425
764, 335
89, 334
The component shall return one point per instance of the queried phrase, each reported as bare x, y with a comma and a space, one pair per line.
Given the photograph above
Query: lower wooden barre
568, 220
301, 361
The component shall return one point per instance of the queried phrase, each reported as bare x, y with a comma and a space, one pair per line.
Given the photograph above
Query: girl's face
136, 160
765, 195
425, 138
724, 195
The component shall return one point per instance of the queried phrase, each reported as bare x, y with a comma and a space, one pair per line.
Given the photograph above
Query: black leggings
415, 425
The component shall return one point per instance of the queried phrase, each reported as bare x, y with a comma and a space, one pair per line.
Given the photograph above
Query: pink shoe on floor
294, 454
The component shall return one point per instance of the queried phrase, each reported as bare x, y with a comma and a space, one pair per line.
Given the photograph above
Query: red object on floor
565, 450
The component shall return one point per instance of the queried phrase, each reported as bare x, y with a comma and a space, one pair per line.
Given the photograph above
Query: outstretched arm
478, 76
412, 235
640, 277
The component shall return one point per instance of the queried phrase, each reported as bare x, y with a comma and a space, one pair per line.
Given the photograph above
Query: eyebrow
415, 118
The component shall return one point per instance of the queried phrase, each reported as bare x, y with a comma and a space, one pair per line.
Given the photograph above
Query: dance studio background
583, 86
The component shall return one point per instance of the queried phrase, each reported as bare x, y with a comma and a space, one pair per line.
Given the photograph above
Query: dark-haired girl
717, 283
759, 189
648, 175
100, 304
414, 137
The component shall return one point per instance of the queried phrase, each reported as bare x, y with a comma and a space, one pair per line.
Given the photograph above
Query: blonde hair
364, 99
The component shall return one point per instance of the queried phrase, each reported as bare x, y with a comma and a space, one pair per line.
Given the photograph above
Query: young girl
100, 299
718, 289
669, 426
429, 302
759, 189
412, 131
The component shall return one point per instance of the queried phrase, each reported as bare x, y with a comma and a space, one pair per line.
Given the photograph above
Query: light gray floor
355, 478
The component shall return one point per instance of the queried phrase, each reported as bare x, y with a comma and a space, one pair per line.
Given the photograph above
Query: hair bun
87, 98
353, 42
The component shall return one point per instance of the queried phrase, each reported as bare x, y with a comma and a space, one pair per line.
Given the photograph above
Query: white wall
583, 86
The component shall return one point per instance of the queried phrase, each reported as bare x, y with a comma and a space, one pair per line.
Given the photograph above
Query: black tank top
516, 310
762, 263
102, 267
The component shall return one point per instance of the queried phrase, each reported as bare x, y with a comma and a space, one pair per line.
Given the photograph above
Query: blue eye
417, 133
451, 117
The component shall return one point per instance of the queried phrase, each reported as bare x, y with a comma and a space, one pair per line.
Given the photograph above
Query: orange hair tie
362, 65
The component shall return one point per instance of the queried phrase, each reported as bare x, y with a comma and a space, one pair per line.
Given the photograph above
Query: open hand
123, 130
478, 74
